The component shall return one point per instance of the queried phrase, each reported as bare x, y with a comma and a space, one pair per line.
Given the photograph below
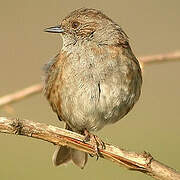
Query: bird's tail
64, 154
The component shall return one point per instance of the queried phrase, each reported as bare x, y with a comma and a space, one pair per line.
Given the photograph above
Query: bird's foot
98, 143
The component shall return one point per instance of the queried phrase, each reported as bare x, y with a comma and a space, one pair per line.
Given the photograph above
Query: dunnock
95, 80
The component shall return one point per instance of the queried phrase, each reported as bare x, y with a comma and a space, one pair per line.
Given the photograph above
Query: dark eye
75, 24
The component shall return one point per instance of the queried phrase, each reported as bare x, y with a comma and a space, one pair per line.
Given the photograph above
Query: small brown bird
95, 80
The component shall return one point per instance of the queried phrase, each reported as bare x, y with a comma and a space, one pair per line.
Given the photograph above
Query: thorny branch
142, 162
37, 88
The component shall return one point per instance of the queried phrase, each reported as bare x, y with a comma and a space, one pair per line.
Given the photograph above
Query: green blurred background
154, 123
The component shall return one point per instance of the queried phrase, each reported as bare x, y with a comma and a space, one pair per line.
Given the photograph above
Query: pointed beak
55, 29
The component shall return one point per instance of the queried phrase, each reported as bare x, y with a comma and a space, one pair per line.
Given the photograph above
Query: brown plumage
95, 80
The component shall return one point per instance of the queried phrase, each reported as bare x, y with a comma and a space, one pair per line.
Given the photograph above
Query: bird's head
84, 25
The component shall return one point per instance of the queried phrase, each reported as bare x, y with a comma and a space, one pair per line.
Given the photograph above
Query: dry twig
173, 56
143, 162
16, 96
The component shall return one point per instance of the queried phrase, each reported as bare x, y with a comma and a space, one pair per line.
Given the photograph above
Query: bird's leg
98, 143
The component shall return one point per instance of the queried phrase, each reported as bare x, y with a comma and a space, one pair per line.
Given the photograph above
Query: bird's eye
75, 24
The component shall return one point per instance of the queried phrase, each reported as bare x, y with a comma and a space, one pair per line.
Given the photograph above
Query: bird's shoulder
54, 65
48, 66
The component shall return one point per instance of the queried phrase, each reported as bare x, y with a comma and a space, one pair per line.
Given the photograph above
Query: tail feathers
79, 158
64, 154
61, 155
